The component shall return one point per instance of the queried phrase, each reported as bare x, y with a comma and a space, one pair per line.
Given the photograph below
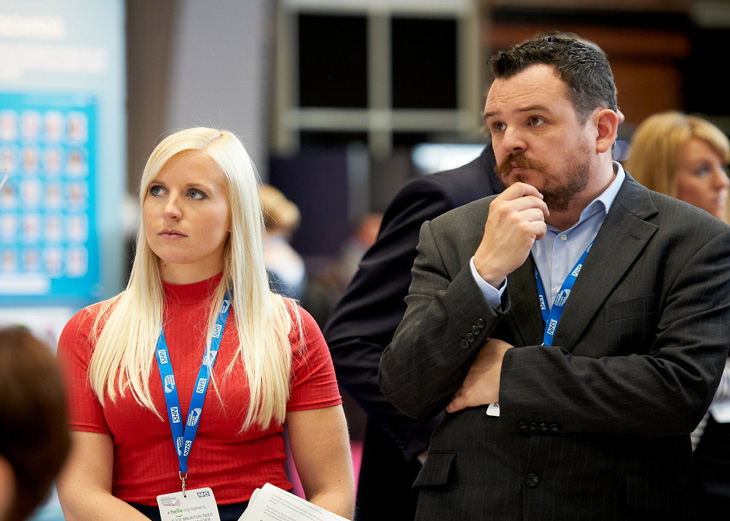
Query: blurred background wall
336, 98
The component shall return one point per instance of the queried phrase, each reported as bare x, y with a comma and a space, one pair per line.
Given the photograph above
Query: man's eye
535, 120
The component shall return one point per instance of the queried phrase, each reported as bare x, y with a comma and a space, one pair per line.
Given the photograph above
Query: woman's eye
155, 190
196, 194
702, 171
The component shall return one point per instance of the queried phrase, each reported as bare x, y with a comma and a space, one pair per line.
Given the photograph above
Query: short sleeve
85, 412
314, 384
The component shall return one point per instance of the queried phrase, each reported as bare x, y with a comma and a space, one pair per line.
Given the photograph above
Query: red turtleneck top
233, 464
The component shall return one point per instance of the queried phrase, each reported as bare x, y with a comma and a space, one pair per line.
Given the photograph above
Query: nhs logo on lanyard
562, 297
217, 330
551, 327
162, 354
169, 384
209, 357
193, 417
226, 305
175, 414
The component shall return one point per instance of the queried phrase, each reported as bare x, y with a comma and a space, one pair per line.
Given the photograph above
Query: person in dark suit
363, 323
583, 408
687, 156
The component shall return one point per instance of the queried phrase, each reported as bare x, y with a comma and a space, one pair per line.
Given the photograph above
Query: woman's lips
171, 234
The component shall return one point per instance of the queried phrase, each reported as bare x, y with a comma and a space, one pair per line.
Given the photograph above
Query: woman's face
187, 218
701, 179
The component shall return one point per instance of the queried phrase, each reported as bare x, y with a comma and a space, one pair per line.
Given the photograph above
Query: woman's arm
85, 483
320, 447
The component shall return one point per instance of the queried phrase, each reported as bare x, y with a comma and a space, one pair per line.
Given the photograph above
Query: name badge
493, 409
197, 505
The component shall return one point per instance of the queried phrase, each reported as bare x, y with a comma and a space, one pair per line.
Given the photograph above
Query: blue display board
48, 237
62, 142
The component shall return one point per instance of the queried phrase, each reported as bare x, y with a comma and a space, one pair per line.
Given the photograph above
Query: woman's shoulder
86, 317
301, 319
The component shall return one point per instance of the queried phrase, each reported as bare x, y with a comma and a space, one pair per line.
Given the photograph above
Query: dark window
330, 138
424, 63
332, 61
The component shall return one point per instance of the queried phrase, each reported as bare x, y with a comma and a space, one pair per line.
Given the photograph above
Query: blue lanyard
552, 318
183, 436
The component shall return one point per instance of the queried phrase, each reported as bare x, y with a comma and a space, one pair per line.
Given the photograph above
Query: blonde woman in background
287, 273
687, 157
198, 295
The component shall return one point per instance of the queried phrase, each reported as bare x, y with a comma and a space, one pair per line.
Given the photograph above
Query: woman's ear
606, 122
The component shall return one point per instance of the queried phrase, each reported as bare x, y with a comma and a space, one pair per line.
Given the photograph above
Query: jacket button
531, 480
533, 426
470, 337
481, 323
554, 427
544, 427
522, 426
464, 343
475, 330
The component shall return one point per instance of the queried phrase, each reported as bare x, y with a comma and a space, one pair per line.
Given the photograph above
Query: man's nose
513, 140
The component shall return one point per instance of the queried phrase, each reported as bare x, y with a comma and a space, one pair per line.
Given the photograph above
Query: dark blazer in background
596, 426
364, 321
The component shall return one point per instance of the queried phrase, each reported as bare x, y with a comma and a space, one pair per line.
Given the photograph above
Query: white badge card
197, 505
493, 409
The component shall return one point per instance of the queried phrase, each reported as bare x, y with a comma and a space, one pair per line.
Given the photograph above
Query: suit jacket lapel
624, 229
525, 309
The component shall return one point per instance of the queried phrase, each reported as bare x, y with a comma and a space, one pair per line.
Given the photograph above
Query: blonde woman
687, 157
287, 272
180, 385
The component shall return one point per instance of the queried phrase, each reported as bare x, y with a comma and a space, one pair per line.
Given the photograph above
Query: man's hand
516, 220
481, 385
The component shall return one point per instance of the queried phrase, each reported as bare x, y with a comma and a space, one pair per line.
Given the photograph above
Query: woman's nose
172, 208
721, 178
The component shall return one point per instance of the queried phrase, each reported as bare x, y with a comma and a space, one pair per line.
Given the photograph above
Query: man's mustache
517, 159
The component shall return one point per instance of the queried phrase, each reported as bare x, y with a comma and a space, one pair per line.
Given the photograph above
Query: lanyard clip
183, 477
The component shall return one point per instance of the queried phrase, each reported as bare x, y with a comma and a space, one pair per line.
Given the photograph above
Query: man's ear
606, 121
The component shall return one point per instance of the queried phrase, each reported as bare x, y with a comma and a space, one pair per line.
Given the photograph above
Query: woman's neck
184, 274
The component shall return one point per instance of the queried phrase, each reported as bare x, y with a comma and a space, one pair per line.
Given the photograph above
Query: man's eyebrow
531, 108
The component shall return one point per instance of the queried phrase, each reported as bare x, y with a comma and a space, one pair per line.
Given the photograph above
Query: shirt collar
605, 200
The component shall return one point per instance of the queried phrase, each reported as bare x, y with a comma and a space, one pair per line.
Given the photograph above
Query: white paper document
271, 503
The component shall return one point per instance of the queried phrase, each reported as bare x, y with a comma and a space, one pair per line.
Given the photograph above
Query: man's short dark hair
33, 436
584, 70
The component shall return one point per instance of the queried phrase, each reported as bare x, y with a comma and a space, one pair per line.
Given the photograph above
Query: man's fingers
518, 190
457, 403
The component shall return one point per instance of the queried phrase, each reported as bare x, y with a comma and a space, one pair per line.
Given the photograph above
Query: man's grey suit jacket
597, 425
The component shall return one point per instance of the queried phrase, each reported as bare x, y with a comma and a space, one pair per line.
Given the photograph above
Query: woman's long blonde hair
128, 326
658, 142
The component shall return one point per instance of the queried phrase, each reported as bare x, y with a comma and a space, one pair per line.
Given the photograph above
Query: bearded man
575, 326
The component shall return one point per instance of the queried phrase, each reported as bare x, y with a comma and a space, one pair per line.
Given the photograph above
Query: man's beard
557, 191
